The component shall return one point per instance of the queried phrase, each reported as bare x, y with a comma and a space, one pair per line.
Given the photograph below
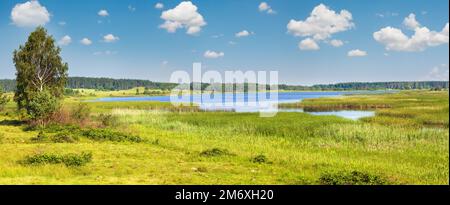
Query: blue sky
141, 49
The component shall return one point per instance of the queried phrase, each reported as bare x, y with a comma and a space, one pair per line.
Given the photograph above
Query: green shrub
108, 120
215, 152
42, 159
260, 159
55, 128
109, 135
64, 137
42, 106
61, 137
351, 178
72, 134
81, 113
70, 160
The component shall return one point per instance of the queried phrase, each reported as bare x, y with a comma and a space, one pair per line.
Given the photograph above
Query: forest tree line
9, 85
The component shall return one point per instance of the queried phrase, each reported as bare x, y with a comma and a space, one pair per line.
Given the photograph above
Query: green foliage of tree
41, 74
39, 67
115, 84
71, 92
3, 99
8, 85
42, 106
372, 86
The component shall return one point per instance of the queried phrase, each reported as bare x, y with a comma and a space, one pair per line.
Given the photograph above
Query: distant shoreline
110, 84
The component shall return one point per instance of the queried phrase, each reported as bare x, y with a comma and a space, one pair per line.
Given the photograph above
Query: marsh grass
405, 144
409, 108
106, 107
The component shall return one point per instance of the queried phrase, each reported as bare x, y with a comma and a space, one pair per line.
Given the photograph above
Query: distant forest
124, 84
372, 86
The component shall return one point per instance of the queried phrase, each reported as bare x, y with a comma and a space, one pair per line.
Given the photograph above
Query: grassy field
117, 93
407, 142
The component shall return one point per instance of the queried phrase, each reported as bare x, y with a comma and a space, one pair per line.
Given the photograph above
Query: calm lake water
242, 102
348, 114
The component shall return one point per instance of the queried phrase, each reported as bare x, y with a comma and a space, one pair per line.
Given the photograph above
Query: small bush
72, 134
70, 160
351, 178
42, 159
109, 135
81, 113
215, 152
108, 120
260, 159
61, 137
61, 117
55, 128
64, 137
42, 106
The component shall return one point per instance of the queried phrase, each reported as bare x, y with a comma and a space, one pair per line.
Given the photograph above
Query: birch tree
39, 68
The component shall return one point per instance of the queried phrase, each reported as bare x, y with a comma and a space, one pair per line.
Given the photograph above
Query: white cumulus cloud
411, 22
264, 7
213, 54
308, 44
243, 33
29, 14
394, 39
336, 43
103, 13
322, 23
86, 41
159, 6
66, 40
185, 15
110, 38
356, 53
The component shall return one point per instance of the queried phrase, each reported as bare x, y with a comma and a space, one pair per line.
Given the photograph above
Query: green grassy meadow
407, 142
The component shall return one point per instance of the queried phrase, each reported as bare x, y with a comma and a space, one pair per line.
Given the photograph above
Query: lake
242, 102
